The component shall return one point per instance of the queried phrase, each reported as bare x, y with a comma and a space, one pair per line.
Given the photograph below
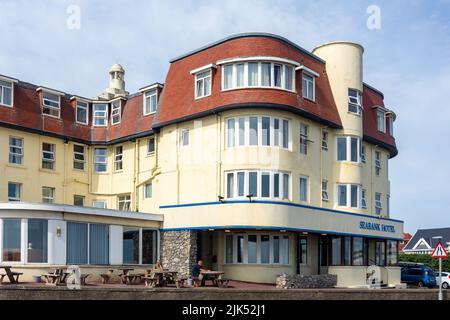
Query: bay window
304, 189
324, 190
118, 158
258, 248
378, 204
257, 131
377, 163
303, 139
348, 149
124, 202
264, 74
349, 195
258, 184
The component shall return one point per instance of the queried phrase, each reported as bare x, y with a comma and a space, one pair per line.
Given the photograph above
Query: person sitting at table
158, 266
198, 272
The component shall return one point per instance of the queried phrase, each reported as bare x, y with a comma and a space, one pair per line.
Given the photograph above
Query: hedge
426, 259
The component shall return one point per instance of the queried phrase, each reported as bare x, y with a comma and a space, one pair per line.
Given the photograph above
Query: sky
407, 58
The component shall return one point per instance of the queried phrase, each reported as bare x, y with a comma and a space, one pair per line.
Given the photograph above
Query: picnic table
128, 277
162, 278
55, 276
12, 276
216, 278
107, 276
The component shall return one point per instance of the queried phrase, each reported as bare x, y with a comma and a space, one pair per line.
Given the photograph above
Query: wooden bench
132, 278
105, 278
12, 276
83, 277
197, 282
52, 279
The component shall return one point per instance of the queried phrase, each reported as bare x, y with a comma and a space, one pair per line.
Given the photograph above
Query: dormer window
6, 90
115, 112
308, 87
258, 72
381, 120
354, 101
150, 101
81, 112
51, 104
100, 114
203, 84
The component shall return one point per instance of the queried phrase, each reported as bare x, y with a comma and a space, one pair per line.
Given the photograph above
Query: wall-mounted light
220, 198
250, 196
227, 231
58, 231
304, 232
283, 230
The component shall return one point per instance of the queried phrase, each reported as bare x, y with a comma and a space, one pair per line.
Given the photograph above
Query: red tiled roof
177, 101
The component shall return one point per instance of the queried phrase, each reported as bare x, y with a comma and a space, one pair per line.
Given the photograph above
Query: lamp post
439, 238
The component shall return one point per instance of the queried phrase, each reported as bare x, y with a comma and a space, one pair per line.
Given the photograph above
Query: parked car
418, 274
445, 279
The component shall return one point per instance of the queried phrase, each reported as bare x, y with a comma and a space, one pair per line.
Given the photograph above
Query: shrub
426, 259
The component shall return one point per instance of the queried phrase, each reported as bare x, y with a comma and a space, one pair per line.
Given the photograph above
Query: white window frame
98, 201
18, 189
101, 162
363, 153
378, 204
325, 196
151, 153
363, 199
19, 155
80, 197
271, 173
86, 108
377, 163
51, 197
348, 203
116, 112
118, 158
283, 260
355, 101
313, 82
381, 120
234, 75
302, 177
126, 200
2, 102
184, 137
325, 137
274, 143
349, 149
46, 154
149, 94
95, 114
200, 77
81, 154
145, 190
304, 141
50, 107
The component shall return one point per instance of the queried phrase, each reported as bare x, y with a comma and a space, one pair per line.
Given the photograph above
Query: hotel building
255, 155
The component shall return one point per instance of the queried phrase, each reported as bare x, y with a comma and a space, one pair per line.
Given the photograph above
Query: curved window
348, 149
263, 74
257, 131
263, 184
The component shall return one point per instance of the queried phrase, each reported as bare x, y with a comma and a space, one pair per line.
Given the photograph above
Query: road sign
439, 251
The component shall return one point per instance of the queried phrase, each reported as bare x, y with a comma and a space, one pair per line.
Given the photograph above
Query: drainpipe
219, 155
135, 173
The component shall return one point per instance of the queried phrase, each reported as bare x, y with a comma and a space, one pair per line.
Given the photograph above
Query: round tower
116, 87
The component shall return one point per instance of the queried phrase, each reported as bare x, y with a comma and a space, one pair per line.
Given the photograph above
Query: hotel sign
376, 226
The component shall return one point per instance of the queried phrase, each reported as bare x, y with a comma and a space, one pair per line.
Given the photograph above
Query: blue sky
407, 59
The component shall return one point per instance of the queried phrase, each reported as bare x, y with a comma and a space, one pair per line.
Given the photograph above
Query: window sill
354, 113
199, 98
82, 123
6, 106
16, 166
53, 117
309, 100
101, 173
151, 154
48, 171
258, 146
359, 164
150, 113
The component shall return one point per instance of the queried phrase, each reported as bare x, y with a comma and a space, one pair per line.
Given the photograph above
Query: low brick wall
297, 281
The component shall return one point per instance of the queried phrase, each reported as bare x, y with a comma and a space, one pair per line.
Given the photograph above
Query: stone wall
297, 281
179, 250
